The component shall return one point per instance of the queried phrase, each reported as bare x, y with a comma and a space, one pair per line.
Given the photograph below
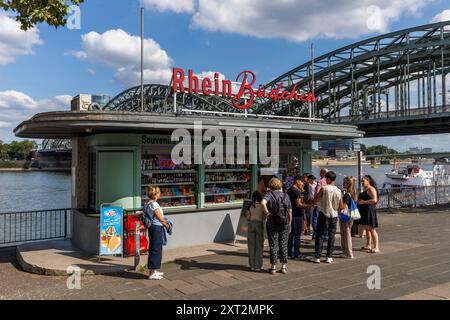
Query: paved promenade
414, 264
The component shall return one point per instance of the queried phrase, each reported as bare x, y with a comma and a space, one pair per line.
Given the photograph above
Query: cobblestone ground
414, 264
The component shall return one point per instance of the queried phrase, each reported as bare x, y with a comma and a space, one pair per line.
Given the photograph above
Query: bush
26, 166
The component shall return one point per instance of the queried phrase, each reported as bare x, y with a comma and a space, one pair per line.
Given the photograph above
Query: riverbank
332, 162
335, 163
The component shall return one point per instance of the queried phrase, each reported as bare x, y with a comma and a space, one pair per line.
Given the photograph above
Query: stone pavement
414, 264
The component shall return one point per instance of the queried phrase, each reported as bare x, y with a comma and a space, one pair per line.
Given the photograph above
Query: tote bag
353, 210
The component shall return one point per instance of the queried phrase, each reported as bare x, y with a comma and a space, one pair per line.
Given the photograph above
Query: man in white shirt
330, 202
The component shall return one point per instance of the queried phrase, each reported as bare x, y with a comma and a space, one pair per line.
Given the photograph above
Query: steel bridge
392, 84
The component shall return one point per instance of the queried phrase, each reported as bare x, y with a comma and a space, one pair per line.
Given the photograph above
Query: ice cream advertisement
111, 237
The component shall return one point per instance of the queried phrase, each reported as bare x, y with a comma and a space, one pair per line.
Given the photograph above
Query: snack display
177, 182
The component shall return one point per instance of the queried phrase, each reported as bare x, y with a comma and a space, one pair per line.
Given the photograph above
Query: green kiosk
119, 150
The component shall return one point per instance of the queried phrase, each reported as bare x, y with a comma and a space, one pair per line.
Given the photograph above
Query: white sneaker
329, 260
160, 273
155, 276
313, 259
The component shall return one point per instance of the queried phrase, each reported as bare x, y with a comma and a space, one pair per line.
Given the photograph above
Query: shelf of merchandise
225, 182
170, 197
168, 184
226, 170
226, 193
167, 171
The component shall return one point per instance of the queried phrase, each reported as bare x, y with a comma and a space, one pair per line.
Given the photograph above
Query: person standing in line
306, 212
278, 214
297, 197
255, 233
313, 210
367, 208
321, 183
348, 194
331, 203
155, 233
261, 185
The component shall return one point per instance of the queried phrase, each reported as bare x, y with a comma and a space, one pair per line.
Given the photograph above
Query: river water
27, 191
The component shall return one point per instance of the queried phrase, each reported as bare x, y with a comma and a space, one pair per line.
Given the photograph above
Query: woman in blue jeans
155, 233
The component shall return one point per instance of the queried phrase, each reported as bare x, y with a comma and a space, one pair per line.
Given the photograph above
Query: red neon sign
246, 78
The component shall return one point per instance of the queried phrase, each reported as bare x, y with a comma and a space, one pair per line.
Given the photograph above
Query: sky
41, 69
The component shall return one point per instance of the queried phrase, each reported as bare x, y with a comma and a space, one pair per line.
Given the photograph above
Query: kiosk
118, 151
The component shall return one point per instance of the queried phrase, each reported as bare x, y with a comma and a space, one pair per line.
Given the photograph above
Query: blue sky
46, 66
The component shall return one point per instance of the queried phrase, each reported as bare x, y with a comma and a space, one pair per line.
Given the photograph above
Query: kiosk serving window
227, 182
176, 182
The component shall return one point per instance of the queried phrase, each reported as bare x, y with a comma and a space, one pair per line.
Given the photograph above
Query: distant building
82, 102
341, 148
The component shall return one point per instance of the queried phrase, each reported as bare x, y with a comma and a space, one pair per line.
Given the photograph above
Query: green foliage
363, 148
31, 12
11, 164
17, 150
379, 149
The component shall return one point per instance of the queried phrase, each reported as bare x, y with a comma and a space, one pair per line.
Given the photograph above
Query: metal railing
393, 114
20, 227
413, 197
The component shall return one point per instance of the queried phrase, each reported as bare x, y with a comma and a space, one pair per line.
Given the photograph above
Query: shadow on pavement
195, 265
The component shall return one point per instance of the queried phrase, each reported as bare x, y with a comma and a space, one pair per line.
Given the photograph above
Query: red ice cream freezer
128, 235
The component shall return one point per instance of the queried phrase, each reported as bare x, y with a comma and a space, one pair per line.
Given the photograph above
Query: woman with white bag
347, 216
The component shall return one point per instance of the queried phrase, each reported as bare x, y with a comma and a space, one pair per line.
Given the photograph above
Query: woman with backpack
255, 233
349, 196
155, 233
278, 213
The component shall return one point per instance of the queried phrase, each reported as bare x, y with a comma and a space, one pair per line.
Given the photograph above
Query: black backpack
144, 218
281, 214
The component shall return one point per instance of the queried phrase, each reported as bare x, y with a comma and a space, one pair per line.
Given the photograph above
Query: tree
4, 149
21, 150
380, 149
31, 12
363, 148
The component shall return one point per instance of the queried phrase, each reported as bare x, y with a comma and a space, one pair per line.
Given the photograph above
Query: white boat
408, 176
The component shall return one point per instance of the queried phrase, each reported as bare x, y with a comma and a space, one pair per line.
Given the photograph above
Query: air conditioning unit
81, 102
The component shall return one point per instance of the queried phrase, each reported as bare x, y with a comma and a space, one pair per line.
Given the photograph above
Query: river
28, 191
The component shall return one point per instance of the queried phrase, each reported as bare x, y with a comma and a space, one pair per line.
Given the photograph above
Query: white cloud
443, 16
14, 41
16, 106
300, 20
177, 6
119, 50
4, 124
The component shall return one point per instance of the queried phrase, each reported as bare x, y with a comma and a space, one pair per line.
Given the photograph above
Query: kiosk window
227, 183
176, 182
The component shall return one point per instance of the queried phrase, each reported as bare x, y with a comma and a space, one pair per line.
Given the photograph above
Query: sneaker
155, 276
160, 273
300, 257
314, 260
329, 260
